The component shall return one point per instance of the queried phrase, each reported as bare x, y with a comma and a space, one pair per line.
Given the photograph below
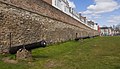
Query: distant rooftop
105, 27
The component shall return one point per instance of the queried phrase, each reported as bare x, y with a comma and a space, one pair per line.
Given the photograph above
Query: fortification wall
31, 21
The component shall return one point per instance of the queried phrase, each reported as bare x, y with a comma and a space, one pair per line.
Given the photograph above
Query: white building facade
63, 6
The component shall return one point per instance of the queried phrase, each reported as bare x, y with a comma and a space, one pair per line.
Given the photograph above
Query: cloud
71, 4
102, 6
114, 19
94, 11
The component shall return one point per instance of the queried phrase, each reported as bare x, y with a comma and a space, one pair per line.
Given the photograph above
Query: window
59, 3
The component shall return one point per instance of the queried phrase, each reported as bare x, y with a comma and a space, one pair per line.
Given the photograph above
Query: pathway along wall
31, 21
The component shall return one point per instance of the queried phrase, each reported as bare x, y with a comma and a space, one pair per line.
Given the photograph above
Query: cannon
85, 37
79, 38
29, 47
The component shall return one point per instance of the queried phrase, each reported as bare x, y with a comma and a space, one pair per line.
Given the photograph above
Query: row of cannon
41, 44
85, 37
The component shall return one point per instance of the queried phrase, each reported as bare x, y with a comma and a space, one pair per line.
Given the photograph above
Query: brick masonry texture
31, 21
48, 1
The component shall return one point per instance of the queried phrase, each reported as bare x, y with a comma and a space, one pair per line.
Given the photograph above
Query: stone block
23, 54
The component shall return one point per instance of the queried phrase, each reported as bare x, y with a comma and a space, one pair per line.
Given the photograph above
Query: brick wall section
31, 21
48, 1
45, 9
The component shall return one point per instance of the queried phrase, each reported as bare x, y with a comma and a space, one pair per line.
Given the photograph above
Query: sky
103, 12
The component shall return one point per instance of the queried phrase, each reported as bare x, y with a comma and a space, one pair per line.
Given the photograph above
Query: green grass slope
94, 53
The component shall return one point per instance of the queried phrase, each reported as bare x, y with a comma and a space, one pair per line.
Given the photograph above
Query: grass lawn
94, 53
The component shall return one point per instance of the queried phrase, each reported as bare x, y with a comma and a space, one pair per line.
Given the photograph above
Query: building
116, 32
106, 31
82, 19
90, 24
63, 5
109, 31
95, 26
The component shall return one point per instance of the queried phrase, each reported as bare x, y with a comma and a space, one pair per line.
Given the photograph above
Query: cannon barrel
85, 37
13, 50
79, 38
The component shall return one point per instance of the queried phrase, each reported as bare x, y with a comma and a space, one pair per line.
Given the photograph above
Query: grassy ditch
97, 53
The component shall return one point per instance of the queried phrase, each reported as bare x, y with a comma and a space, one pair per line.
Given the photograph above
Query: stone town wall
31, 21
48, 1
